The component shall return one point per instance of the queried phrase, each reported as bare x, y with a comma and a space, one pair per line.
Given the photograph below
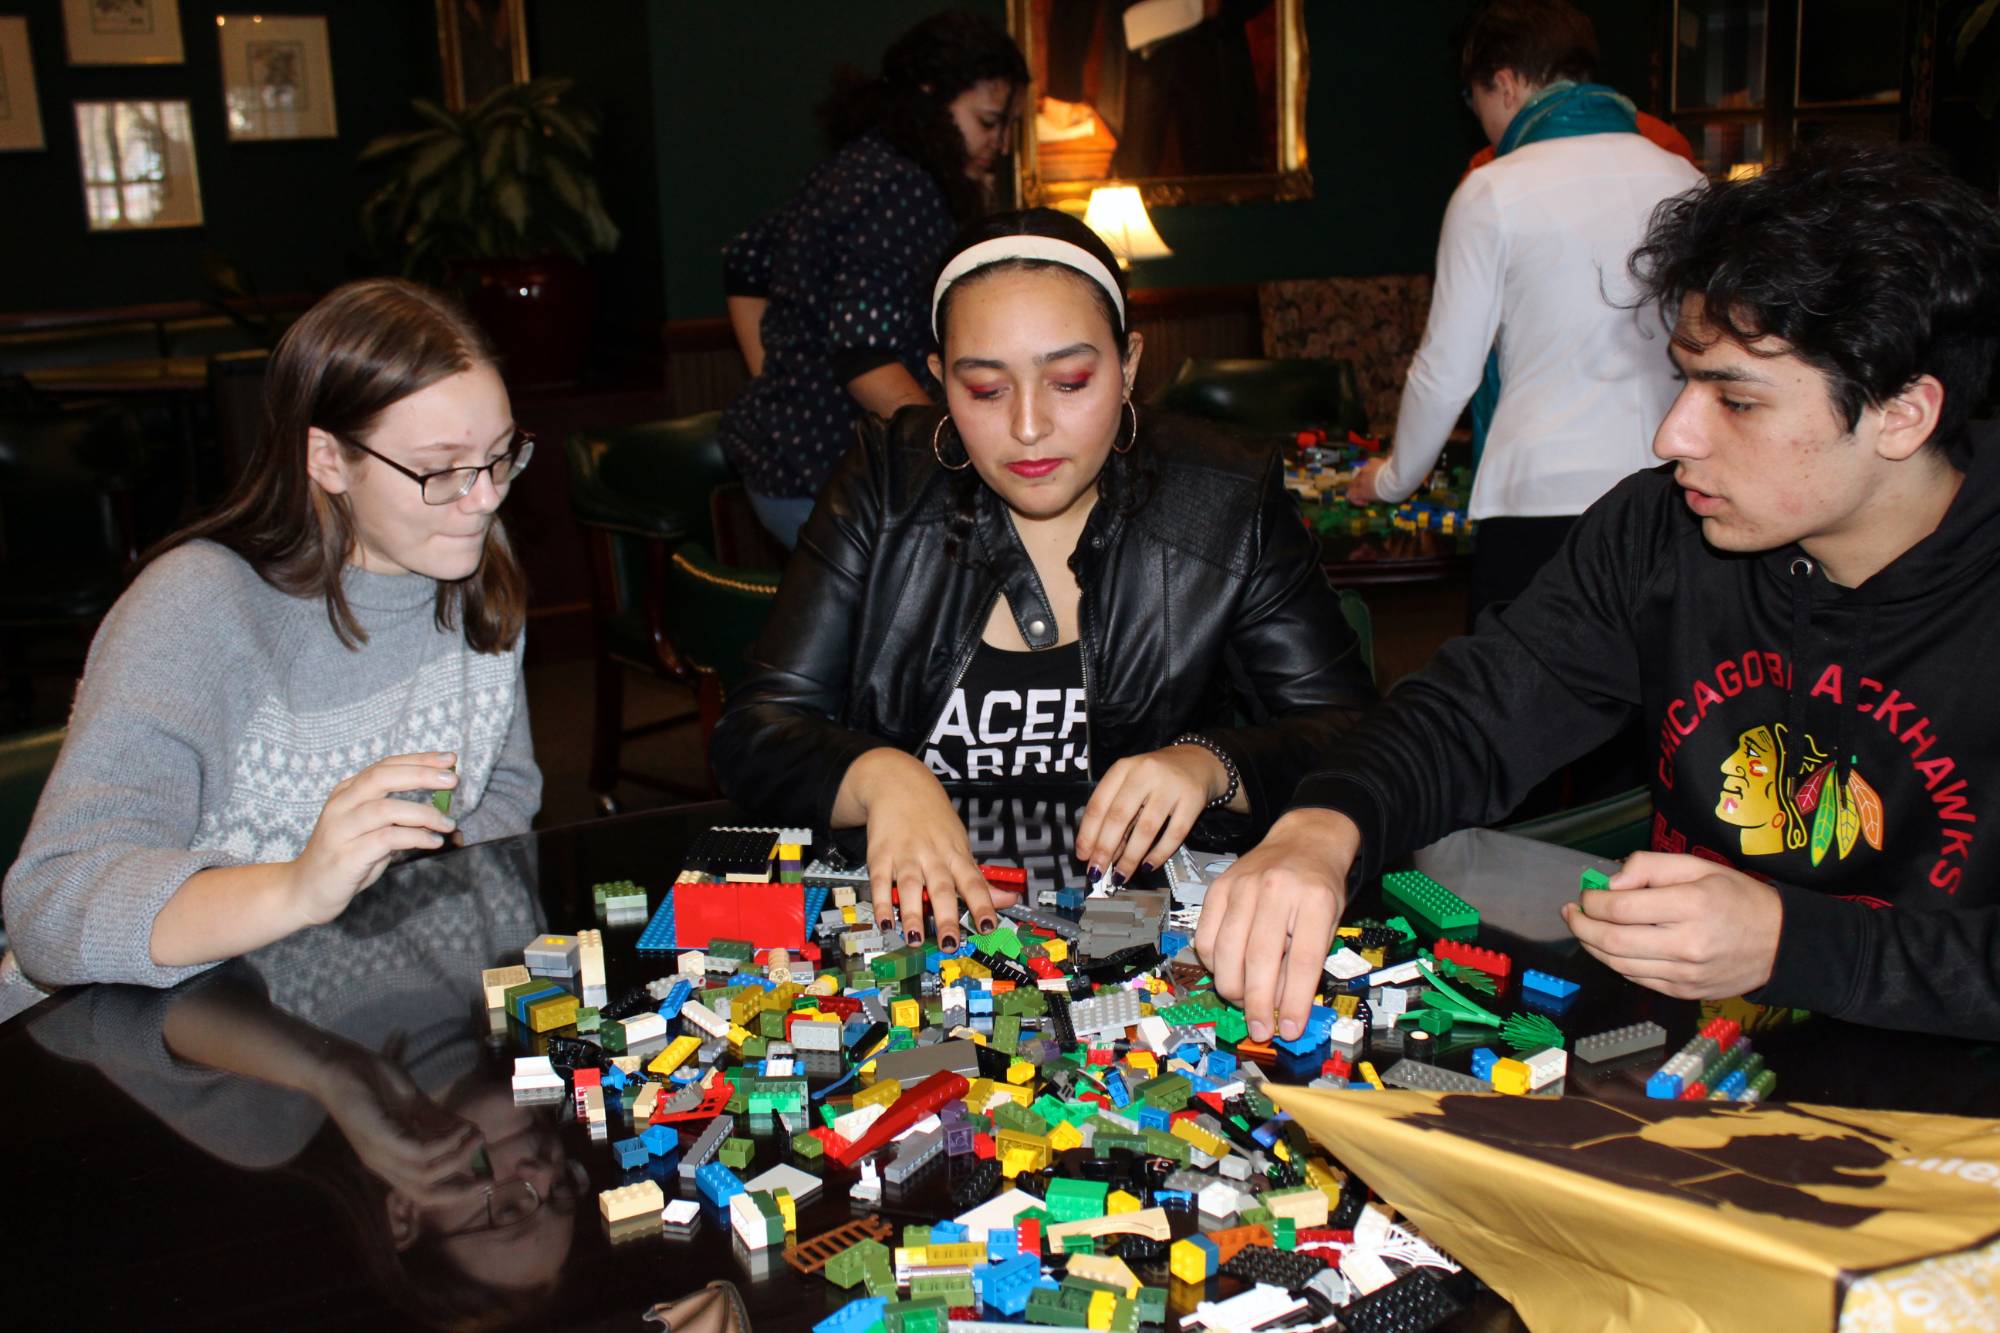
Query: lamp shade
1118, 215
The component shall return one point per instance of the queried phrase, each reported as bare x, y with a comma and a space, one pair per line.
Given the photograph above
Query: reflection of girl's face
520, 1145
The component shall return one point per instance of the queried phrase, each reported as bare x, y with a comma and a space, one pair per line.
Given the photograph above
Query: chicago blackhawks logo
1786, 798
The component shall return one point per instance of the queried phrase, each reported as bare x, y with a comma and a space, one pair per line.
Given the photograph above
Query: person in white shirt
1531, 270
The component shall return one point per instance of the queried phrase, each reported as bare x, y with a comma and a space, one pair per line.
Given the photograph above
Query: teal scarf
1560, 111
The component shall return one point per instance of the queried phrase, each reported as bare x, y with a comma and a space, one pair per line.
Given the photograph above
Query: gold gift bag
1687, 1215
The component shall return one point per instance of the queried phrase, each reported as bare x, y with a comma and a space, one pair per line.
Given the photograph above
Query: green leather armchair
646, 497
1268, 396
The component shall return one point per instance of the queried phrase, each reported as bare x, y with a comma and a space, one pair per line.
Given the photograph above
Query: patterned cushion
1375, 323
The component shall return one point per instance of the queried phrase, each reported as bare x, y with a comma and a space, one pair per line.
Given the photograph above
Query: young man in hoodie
1800, 606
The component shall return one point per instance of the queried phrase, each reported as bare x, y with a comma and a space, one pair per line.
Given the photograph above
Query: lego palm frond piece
1530, 1032
1460, 1007
1459, 974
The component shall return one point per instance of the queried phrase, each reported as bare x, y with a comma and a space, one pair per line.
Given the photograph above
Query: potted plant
500, 200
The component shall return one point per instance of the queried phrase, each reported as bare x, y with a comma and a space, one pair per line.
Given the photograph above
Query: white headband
1067, 253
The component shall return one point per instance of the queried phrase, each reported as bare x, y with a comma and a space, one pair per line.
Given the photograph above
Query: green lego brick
1007, 1115
851, 1265
1285, 1230
808, 1148
1152, 1304
1592, 879
1162, 1144
951, 1288
741, 950
1231, 1026
1257, 1104
1045, 1306
1070, 1200
1006, 1033
1107, 1139
1251, 1217
736, 1153
1169, 1092
1000, 940
914, 1235
771, 1024
1431, 903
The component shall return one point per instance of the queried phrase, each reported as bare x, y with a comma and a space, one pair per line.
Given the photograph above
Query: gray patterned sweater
214, 715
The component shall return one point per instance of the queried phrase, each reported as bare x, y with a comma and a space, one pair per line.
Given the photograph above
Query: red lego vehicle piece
712, 1103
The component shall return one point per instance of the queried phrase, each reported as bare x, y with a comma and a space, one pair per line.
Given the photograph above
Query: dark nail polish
1117, 879
1148, 867
885, 925
988, 925
948, 943
1092, 875
914, 937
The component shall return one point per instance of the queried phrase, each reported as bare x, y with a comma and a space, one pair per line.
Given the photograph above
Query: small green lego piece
1439, 909
611, 1036
1286, 1231
741, 950
441, 799
914, 1235
1231, 1026
1159, 1143
1252, 1217
1070, 1200
808, 1148
1442, 996
1258, 1105
852, 1264
1124, 1317
736, 1153
588, 1020
1008, 1115
1152, 1303
1592, 879
1530, 1032
1402, 927
1168, 1092
951, 1288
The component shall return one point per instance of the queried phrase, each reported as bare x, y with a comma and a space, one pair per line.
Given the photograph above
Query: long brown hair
363, 348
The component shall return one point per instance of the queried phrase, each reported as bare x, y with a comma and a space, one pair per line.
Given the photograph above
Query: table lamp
1118, 215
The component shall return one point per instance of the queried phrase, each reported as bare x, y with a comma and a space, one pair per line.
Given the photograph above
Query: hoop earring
1135, 430
938, 453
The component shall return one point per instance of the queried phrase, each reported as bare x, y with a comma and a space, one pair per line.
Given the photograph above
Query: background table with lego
133, 1220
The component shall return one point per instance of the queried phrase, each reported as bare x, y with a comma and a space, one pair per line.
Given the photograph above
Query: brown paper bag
1687, 1215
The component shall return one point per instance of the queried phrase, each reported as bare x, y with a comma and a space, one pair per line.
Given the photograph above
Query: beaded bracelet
1228, 765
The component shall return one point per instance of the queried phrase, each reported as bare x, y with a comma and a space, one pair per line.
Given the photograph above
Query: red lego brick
1496, 965
1028, 1232
982, 1147
1101, 1055
769, 916
587, 1078
1724, 1030
1337, 1067
1004, 877
1212, 1101
1325, 1236
1696, 1091
845, 1006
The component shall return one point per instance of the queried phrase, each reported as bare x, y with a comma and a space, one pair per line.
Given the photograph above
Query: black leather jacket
1203, 602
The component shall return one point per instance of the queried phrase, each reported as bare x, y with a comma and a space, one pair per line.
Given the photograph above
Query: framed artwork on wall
138, 165
277, 77
122, 32
1192, 101
20, 112
483, 45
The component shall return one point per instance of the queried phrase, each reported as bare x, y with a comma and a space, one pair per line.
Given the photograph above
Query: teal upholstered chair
652, 500
1268, 396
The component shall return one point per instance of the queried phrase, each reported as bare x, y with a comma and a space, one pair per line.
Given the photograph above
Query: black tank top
1016, 718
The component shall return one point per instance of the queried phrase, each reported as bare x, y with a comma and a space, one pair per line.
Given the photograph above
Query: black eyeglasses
452, 483
509, 1203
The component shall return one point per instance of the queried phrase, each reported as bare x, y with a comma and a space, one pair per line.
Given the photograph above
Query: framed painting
138, 165
1192, 101
122, 32
277, 77
20, 110
482, 45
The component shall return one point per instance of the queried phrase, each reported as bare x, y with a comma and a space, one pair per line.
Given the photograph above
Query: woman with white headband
1039, 584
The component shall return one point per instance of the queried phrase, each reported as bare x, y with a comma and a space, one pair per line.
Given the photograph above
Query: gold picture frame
482, 45
1188, 143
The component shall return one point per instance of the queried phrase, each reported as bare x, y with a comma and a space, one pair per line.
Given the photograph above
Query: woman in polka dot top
826, 295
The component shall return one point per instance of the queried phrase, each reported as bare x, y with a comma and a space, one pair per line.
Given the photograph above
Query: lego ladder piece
810, 1256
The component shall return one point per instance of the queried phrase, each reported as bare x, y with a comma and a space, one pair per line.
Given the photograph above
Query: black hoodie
1836, 742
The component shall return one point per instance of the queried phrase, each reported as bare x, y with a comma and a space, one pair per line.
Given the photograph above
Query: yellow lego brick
1016, 1160
847, 915
737, 1036
1306, 1207
1344, 1004
1373, 1079
983, 1090
674, 1056
1064, 1137
1118, 1201
956, 1254
629, 1201
1189, 1132
1098, 1313
1510, 1076
885, 1091
1057, 950
1145, 1060
972, 967
1284, 1153
786, 1209
1322, 1177
1348, 932
907, 1014
1188, 1262
1374, 957
948, 971
1020, 1073
558, 1011
912, 1256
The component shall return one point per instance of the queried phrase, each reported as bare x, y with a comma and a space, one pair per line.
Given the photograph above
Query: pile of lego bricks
1319, 470
1070, 1090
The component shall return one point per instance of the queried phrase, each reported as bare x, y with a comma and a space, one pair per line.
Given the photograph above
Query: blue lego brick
1189, 1051
1169, 1198
1733, 1086
1483, 1061
658, 936
1172, 942
1553, 987
1663, 1086
718, 1184
1002, 1243
947, 1233
1152, 1117
630, 1152
1219, 1064
660, 1139
677, 995
815, 904
857, 1316
1268, 1133
615, 1078
1114, 1083
1004, 1286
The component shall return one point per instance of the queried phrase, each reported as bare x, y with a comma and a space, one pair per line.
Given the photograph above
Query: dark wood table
249, 1150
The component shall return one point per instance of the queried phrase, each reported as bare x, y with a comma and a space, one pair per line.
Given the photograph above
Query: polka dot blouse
844, 264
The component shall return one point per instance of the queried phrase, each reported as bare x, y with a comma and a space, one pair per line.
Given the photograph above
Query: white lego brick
629, 1201
643, 1028
1219, 1200
997, 1212
1365, 1269
1347, 1032
590, 958
802, 1184
1343, 964
855, 1123
1261, 1305
747, 1222
680, 1212
693, 963
1396, 974
496, 980
1545, 1067
777, 1067
534, 1073
1153, 1031
705, 1018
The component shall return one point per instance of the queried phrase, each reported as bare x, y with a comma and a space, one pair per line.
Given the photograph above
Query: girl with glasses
269, 710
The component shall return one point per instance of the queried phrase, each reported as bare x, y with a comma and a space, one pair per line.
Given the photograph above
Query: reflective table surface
322, 1135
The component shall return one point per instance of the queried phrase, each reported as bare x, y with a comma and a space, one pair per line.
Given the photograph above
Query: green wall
283, 212
1387, 134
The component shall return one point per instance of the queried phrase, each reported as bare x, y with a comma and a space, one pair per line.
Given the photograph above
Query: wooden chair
647, 498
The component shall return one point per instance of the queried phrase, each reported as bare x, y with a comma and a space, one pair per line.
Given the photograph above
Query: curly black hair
923, 72
1870, 262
